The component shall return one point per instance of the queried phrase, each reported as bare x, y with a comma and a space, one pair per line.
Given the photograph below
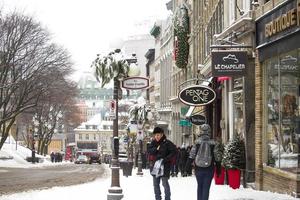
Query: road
13, 180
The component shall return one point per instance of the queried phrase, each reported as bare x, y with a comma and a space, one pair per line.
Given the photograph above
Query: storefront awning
190, 111
195, 110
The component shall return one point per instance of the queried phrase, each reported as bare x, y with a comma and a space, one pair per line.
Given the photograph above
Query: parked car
81, 159
95, 158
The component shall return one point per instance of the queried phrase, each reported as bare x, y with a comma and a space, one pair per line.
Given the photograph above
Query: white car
81, 159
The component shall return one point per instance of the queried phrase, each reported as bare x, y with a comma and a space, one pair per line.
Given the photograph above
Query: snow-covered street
140, 187
134, 187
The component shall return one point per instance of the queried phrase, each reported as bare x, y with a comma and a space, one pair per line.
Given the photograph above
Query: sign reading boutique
197, 95
229, 63
281, 21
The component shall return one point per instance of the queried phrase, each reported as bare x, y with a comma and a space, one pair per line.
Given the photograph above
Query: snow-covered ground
12, 156
140, 187
134, 187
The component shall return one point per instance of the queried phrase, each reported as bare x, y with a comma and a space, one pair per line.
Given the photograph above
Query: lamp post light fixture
139, 114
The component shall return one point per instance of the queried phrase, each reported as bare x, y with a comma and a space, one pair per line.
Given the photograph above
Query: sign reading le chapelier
229, 63
197, 95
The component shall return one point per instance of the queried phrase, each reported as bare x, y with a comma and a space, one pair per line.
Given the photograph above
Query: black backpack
204, 154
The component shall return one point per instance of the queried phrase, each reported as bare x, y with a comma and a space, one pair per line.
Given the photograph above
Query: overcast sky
86, 27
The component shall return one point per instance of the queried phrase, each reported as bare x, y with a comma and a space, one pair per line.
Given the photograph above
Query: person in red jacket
161, 148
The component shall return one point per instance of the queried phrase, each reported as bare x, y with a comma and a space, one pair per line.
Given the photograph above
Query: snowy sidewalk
137, 188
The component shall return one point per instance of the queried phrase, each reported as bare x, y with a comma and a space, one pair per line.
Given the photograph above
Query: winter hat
158, 130
205, 129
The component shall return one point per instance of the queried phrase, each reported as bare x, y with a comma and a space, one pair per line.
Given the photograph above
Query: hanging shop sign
198, 119
135, 83
229, 63
282, 21
197, 95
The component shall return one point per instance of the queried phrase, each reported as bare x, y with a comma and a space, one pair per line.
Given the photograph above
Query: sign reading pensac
197, 95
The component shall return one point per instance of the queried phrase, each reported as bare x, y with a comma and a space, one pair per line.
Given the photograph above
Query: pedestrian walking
161, 151
202, 155
52, 156
188, 167
174, 163
182, 160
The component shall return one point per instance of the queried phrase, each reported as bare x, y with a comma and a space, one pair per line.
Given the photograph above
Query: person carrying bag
161, 151
202, 156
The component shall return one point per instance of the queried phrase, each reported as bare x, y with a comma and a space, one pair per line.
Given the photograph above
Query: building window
95, 137
80, 136
87, 137
282, 85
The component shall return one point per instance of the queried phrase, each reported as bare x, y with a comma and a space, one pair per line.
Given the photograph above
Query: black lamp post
33, 147
116, 68
140, 138
115, 191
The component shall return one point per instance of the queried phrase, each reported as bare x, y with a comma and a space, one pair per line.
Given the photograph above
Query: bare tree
27, 59
54, 110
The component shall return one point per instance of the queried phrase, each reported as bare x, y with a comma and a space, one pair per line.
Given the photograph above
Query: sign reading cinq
197, 95
198, 119
135, 83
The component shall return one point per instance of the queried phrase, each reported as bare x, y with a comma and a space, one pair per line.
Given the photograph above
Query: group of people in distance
161, 154
181, 164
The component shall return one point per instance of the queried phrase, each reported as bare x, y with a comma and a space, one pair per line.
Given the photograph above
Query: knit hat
205, 129
158, 130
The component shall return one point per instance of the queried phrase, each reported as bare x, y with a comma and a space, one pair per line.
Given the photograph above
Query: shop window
282, 110
236, 114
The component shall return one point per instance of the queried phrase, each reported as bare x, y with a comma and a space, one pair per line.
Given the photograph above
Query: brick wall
258, 124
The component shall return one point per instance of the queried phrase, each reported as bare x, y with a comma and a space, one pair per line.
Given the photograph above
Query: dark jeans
165, 183
204, 177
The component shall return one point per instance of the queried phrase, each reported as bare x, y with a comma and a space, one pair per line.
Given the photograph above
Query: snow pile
12, 156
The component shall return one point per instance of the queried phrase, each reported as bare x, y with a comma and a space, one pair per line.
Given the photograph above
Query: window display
282, 102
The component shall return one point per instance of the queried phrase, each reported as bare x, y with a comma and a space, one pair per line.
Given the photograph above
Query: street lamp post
33, 146
140, 141
113, 67
115, 191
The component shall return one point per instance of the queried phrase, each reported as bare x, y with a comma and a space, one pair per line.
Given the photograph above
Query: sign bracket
230, 44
